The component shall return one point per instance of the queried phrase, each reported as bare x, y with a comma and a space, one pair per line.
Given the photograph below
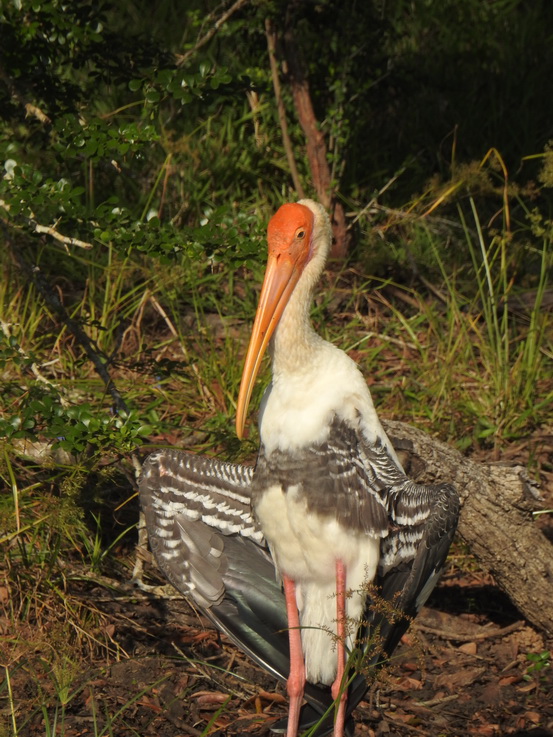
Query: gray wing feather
200, 554
420, 516
192, 505
422, 522
336, 480
188, 502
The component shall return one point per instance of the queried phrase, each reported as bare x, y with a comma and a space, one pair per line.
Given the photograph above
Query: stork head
298, 237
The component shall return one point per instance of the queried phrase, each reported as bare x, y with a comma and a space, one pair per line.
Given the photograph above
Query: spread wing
208, 545
190, 503
422, 523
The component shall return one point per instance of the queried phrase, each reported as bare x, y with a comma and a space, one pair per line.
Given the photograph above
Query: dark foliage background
141, 155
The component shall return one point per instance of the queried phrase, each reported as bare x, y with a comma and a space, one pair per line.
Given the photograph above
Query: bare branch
314, 138
271, 45
183, 58
98, 358
65, 239
474, 637
315, 143
48, 230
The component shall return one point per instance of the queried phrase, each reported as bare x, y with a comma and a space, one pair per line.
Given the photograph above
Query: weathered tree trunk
496, 518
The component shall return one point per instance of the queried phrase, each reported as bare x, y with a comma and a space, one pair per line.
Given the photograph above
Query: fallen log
496, 518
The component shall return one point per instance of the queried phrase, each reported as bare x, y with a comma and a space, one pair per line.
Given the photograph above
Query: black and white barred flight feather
208, 544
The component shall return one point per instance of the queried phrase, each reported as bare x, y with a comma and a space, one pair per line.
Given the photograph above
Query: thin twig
151, 297
48, 230
373, 203
432, 288
447, 635
6, 328
65, 239
183, 58
438, 701
405, 725
168, 170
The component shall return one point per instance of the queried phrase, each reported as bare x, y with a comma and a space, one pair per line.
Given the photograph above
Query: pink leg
338, 689
296, 679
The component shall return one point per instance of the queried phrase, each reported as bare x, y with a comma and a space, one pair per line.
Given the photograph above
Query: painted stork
327, 505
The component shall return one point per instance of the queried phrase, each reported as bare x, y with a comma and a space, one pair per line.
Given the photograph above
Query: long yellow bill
281, 277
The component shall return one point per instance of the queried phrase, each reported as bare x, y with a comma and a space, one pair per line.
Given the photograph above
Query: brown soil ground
461, 670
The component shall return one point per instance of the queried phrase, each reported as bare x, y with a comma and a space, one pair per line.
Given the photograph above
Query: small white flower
9, 166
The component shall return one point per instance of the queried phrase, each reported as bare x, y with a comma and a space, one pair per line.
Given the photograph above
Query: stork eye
300, 233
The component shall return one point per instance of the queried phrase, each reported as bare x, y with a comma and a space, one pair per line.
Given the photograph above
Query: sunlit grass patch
466, 349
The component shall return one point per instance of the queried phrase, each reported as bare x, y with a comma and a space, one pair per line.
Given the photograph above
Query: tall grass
473, 348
